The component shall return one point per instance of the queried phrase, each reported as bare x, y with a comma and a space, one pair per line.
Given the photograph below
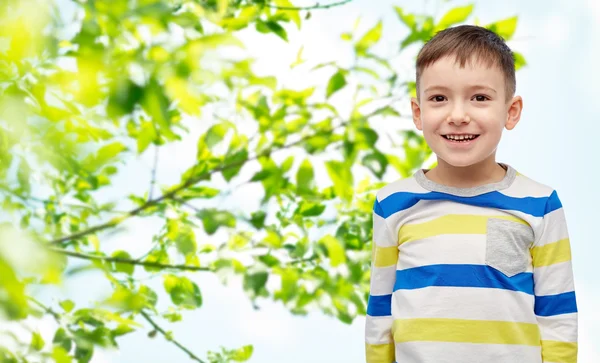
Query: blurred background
192, 180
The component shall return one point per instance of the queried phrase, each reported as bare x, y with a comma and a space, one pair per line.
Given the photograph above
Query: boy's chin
461, 162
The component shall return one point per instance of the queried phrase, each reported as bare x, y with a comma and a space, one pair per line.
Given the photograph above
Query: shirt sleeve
378, 327
555, 302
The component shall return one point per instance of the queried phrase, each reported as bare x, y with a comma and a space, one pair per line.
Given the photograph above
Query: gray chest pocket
507, 246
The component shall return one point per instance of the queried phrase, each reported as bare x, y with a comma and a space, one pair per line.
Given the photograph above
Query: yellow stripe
559, 352
449, 224
466, 331
551, 253
386, 256
380, 353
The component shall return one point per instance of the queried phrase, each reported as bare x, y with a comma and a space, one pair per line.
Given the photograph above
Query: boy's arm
555, 303
378, 329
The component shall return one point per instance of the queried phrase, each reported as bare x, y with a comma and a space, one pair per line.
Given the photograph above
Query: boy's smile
462, 111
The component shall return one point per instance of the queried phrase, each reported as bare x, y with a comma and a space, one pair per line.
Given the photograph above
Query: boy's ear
416, 113
514, 112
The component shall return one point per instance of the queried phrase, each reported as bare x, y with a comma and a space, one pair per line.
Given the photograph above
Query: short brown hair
470, 43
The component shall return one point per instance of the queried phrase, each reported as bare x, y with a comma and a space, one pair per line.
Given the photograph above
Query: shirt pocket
507, 246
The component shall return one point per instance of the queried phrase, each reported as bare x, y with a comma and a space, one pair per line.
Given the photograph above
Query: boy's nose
458, 116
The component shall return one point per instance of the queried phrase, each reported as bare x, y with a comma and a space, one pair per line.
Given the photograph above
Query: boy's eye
438, 98
480, 98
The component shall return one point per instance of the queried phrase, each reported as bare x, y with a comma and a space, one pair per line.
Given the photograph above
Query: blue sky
555, 143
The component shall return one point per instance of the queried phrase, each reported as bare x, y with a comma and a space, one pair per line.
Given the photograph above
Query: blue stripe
462, 276
535, 206
551, 305
379, 305
553, 203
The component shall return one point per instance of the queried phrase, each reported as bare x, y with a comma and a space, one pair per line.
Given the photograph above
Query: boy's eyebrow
473, 87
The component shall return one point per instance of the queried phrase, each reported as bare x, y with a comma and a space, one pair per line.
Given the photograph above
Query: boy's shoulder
524, 186
404, 185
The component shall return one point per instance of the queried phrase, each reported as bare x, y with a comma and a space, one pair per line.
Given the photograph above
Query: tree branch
154, 168
169, 337
54, 202
193, 180
311, 7
86, 256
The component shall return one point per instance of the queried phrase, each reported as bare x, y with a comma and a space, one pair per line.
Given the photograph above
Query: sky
555, 143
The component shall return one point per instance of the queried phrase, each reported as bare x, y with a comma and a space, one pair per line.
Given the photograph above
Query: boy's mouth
460, 137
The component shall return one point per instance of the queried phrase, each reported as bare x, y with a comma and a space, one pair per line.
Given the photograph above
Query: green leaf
215, 134
146, 135
123, 267
335, 250
156, 105
269, 260
84, 352
157, 256
202, 192
520, 61
256, 281
242, 354
105, 154
124, 95
294, 15
149, 295
408, 19
67, 305
173, 316
342, 178
504, 28
287, 164
305, 178
258, 219
369, 39
271, 26
37, 342
367, 135
183, 292
336, 82
454, 16
308, 209
61, 339
236, 159
376, 162
213, 219
60, 355
186, 241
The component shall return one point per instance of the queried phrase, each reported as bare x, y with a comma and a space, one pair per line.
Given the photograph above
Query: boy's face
462, 111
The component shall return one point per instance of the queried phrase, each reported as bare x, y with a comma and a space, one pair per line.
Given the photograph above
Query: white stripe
408, 185
443, 249
463, 303
382, 235
378, 329
445, 352
555, 228
382, 280
554, 279
562, 328
524, 187
427, 210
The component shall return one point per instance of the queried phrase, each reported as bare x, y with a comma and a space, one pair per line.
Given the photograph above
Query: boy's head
465, 90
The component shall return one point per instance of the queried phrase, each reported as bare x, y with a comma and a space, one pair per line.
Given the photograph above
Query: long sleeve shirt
470, 275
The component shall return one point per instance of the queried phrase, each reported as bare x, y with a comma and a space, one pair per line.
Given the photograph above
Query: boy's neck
486, 172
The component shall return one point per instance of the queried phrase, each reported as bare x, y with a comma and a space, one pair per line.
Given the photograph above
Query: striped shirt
470, 275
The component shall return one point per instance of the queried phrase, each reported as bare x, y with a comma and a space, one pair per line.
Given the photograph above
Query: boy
471, 259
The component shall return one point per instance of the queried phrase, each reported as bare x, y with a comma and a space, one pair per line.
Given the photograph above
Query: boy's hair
470, 43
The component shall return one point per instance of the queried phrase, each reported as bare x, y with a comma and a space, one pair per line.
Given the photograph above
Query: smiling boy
471, 259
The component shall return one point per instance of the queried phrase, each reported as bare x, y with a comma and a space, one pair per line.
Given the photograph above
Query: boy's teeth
460, 137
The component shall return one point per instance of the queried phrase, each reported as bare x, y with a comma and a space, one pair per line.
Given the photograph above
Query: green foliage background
78, 107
